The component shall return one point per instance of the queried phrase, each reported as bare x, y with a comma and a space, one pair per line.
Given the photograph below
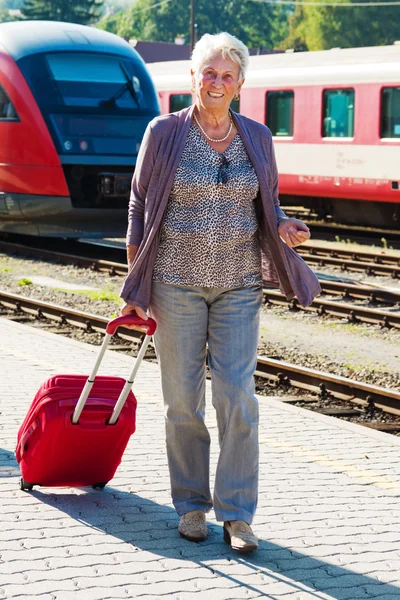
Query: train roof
347, 65
22, 38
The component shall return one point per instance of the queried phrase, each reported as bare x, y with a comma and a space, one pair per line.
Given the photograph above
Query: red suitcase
77, 427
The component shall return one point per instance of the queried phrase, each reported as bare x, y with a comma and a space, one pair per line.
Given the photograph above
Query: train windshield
87, 80
93, 103
94, 79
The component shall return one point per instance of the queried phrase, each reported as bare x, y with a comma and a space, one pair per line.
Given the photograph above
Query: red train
335, 118
74, 104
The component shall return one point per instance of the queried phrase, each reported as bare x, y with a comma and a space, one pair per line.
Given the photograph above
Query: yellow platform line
366, 476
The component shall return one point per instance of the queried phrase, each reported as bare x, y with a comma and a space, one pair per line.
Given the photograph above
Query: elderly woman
205, 232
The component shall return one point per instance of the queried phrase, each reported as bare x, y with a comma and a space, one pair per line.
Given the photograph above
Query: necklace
214, 139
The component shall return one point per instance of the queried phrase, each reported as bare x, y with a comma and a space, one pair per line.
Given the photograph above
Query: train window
280, 113
338, 113
89, 79
179, 101
390, 113
82, 80
7, 110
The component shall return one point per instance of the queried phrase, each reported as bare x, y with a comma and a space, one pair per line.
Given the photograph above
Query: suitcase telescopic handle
148, 326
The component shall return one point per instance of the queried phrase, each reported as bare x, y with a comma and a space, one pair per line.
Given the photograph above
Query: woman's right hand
131, 309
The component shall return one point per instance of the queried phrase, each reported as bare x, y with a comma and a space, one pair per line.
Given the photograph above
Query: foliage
256, 24
100, 295
10, 4
321, 28
6, 17
116, 5
24, 281
82, 11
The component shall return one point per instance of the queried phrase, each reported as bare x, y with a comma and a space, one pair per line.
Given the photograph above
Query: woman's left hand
293, 232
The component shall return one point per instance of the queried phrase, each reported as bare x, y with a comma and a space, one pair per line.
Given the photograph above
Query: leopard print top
209, 232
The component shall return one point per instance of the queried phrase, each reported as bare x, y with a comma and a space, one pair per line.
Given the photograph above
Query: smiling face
217, 83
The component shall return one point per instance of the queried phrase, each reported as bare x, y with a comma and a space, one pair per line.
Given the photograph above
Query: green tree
323, 27
82, 11
13, 4
5, 16
256, 24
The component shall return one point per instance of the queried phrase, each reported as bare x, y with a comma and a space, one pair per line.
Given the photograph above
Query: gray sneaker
192, 526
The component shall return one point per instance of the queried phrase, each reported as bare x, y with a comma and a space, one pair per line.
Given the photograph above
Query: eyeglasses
223, 171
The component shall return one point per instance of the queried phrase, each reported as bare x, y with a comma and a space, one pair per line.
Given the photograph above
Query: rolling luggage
78, 426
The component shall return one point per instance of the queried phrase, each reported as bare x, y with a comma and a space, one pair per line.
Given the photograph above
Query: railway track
342, 309
349, 260
371, 263
86, 262
352, 312
279, 373
330, 230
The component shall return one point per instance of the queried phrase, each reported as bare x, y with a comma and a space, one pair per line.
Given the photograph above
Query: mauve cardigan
158, 159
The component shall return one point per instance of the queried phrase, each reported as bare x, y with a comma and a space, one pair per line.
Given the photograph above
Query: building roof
161, 51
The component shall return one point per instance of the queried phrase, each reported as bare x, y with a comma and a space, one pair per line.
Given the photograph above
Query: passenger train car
74, 104
335, 120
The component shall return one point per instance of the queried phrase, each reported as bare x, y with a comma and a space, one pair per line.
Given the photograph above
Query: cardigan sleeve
140, 183
275, 185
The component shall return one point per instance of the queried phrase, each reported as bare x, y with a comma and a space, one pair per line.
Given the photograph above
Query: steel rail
370, 268
352, 312
342, 388
356, 255
62, 314
361, 292
279, 371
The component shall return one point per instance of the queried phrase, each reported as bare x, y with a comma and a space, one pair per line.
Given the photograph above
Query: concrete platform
328, 517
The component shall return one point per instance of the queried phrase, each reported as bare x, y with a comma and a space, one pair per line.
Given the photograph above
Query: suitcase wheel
24, 485
99, 486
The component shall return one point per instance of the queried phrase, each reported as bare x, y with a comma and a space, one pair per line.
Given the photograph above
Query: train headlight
68, 145
83, 145
107, 186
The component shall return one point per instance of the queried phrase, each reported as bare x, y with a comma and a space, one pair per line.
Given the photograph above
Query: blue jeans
190, 319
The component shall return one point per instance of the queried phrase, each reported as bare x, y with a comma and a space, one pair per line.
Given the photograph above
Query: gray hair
222, 43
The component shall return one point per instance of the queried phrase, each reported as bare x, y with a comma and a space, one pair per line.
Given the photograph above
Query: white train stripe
332, 160
323, 75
